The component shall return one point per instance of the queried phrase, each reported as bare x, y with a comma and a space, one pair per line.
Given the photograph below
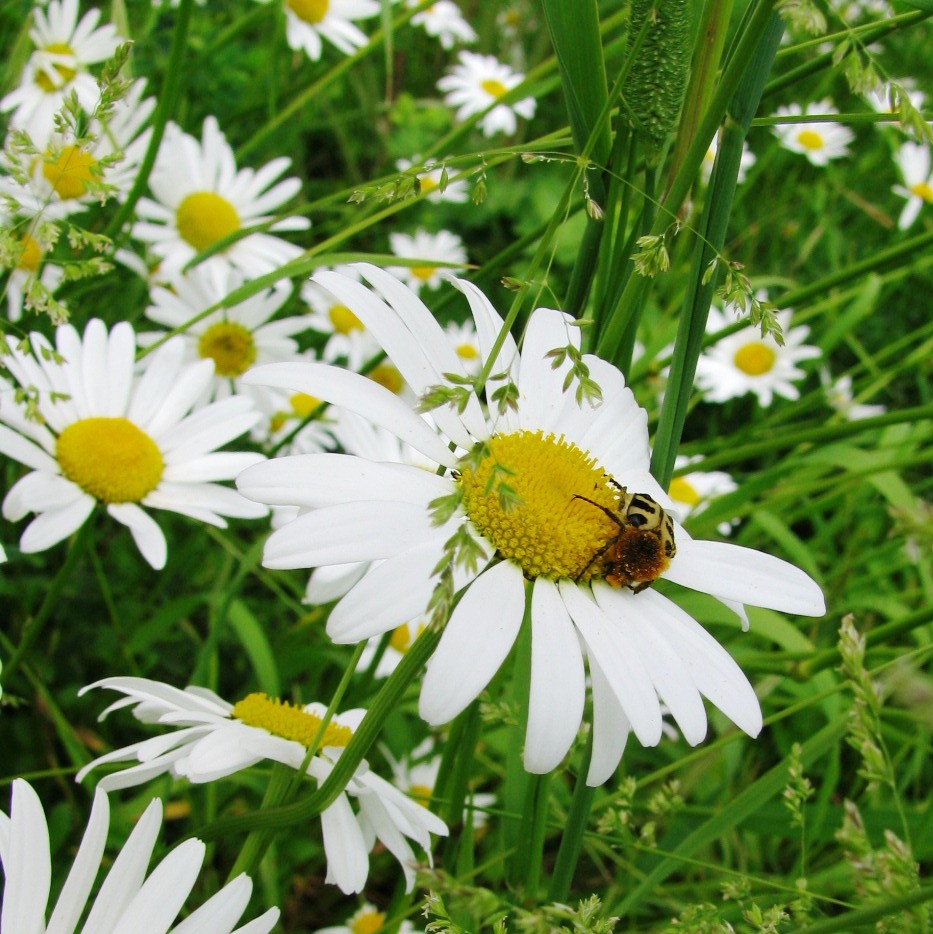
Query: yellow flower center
281, 718
309, 11
386, 375
230, 346
343, 320
204, 217
493, 88
303, 405
422, 794
522, 497
70, 173
63, 71
682, 490
423, 272
426, 183
110, 458
467, 352
754, 358
923, 190
31, 256
810, 139
401, 638
368, 922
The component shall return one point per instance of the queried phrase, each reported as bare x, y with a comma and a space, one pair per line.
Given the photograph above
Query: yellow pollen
423, 272
683, 491
31, 256
422, 794
754, 358
923, 190
386, 375
204, 217
521, 498
810, 139
280, 718
63, 71
426, 183
343, 320
70, 173
369, 922
230, 346
303, 405
110, 458
467, 352
493, 88
309, 11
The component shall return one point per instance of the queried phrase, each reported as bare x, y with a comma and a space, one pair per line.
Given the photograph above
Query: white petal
14, 445
610, 728
478, 636
145, 531
221, 912
745, 576
347, 859
53, 526
27, 864
540, 386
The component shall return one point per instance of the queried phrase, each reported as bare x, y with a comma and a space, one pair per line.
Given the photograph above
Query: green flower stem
459, 756
363, 738
33, 627
534, 826
171, 87
611, 336
571, 842
713, 224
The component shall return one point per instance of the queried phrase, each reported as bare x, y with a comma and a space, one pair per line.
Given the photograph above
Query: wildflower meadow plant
464, 466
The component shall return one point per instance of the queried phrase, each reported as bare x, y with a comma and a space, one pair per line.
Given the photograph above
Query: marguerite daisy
97, 431
427, 248
128, 900
476, 84
368, 919
692, 491
840, 396
233, 338
560, 511
913, 159
202, 198
444, 21
58, 66
307, 22
212, 738
430, 178
818, 141
746, 161
744, 361
29, 266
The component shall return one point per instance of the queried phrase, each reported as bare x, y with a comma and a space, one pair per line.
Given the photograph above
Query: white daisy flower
212, 739
307, 22
427, 248
913, 159
444, 21
202, 198
691, 492
68, 177
840, 396
430, 180
367, 920
744, 361
101, 432
233, 338
879, 99
21, 276
464, 340
128, 899
746, 161
561, 533
819, 142
476, 84
58, 67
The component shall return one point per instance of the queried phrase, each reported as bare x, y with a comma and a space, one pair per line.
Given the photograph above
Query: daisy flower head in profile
744, 361
746, 161
476, 84
95, 430
308, 22
817, 140
129, 899
465, 341
201, 198
232, 338
840, 396
432, 181
211, 738
444, 21
693, 490
59, 66
29, 266
549, 499
368, 919
913, 159
427, 249
883, 99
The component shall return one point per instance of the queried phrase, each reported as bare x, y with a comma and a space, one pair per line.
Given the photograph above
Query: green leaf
249, 631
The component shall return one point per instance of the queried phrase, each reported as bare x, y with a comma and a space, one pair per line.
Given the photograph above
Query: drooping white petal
557, 694
51, 527
27, 864
344, 847
610, 727
149, 538
476, 640
220, 912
